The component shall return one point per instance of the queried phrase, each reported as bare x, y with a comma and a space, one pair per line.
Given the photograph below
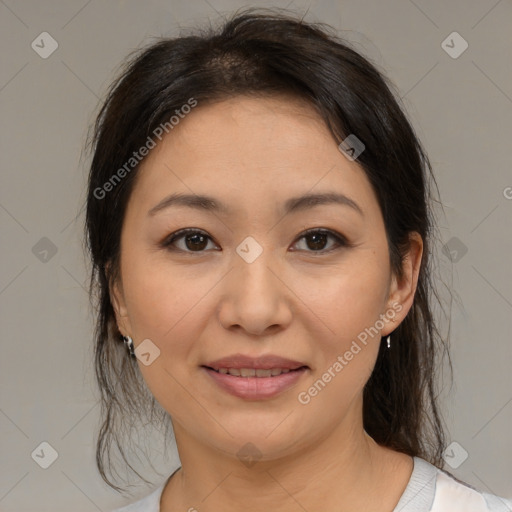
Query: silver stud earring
388, 340
129, 344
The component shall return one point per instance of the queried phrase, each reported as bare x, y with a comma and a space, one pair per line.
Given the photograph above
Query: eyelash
340, 240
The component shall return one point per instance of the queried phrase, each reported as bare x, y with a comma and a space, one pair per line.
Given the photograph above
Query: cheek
165, 305
346, 342
347, 303
347, 298
158, 294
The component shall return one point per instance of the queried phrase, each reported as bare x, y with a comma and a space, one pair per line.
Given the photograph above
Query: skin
296, 300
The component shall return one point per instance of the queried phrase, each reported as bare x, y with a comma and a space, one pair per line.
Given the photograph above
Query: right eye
194, 240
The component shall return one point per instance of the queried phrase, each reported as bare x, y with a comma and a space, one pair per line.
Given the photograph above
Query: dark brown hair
260, 54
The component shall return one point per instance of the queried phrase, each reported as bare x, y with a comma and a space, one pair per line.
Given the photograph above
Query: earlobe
403, 290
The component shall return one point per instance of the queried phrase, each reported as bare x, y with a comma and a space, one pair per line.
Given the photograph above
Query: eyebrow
294, 204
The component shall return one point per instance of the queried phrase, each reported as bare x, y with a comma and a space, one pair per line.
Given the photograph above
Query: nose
255, 298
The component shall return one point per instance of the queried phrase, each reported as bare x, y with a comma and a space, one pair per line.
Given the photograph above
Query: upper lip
264, 362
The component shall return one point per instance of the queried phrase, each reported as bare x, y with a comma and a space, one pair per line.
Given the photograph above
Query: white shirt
429, 490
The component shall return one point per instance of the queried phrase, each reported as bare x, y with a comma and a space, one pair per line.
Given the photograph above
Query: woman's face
249, 281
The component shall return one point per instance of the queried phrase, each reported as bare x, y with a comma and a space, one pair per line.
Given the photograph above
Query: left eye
318, 238
197, 240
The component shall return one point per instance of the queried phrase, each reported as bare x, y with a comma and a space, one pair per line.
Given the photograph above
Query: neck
344, 471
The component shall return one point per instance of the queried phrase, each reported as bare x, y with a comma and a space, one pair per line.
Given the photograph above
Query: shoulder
460, 497
433, 490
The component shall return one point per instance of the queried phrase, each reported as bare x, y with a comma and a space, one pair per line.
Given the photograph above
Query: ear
118, 302
401, 294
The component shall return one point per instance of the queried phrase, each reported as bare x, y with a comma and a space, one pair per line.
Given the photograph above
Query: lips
255, 378
256, 388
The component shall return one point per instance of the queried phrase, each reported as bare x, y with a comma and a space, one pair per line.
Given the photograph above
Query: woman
259, 221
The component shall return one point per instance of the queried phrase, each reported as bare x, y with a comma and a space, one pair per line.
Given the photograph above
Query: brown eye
317, 239
196, 242
192, 240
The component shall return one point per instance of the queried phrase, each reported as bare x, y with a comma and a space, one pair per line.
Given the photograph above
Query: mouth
255, 383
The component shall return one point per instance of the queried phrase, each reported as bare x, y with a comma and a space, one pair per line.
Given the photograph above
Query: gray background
461, 108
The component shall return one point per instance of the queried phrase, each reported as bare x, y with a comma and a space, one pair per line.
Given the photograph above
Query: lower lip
256, 388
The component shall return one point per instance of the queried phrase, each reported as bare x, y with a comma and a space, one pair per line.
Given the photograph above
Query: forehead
246, 129
246, 149
256, 121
